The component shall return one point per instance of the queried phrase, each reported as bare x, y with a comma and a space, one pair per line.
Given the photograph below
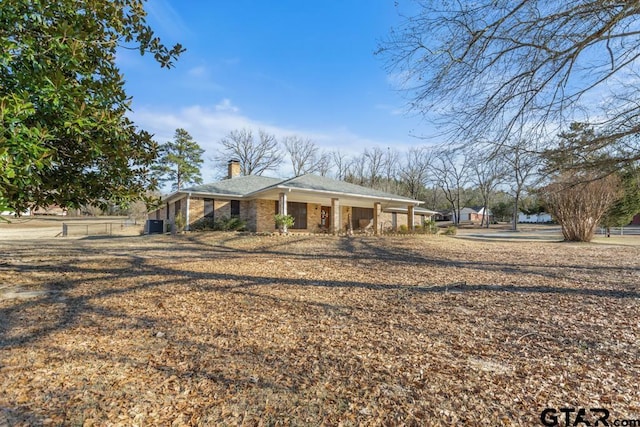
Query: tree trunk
516, 202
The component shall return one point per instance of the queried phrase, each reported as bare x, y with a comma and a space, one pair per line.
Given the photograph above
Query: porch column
377, 210
410, 218
336, 216
282, 203
187, 221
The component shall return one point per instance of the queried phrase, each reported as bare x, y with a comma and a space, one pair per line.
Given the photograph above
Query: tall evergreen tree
623, 210
179, 161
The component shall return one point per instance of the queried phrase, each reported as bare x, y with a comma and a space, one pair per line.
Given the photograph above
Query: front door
325, 217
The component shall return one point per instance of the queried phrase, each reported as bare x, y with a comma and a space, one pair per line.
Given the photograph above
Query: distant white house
474, 214
12, 213
539, 218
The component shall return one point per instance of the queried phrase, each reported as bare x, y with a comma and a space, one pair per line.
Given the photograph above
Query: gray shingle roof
252, 185
322, 183
238, 186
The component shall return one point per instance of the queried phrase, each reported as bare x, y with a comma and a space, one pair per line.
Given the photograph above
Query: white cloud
391, 109
168, 18
226, 105
208, 125
200, 71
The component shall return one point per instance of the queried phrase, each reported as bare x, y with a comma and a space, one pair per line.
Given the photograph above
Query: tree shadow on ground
154, 264
66, 270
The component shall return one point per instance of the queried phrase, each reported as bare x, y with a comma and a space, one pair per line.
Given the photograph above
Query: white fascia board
337, 194
178, 195
215, 195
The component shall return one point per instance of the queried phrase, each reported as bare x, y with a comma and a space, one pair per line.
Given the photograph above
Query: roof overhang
416, 211
324, 197
305, 195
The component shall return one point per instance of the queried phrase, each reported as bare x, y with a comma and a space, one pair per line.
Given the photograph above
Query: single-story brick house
317, 204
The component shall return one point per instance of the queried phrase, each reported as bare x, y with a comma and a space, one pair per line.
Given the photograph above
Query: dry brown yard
211, 329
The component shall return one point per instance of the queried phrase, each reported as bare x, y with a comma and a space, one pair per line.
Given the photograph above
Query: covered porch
335, 213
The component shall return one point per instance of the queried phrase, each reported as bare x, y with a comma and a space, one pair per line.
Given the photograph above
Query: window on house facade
178, 207
358, 214
208, 208
299, 213
394, 220
235, 208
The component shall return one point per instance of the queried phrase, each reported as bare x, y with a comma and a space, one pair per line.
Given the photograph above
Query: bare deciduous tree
578, 203
450, 171
522, 162
415, 171
341, 162
323, 164
495, 68
390, 170
255, 156
374, 161
356, 172
487, 172
304, 154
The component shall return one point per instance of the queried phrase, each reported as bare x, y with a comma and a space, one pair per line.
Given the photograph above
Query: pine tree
622, 211
179, 161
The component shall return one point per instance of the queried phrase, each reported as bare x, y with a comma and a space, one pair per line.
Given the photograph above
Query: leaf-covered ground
215, 329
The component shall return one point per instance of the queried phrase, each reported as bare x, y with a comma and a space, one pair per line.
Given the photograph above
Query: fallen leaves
231, 329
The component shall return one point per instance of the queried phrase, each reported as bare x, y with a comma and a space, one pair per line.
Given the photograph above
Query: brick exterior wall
222, 208
258, 214
247, 213
344, 219
386, 220
196, 209
313, 217
265, 211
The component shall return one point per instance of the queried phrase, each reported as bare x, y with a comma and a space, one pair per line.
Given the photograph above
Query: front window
299, 213
361, 217
208, 208
235, 208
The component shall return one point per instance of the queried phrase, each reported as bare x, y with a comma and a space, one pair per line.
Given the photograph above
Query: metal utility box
154, 226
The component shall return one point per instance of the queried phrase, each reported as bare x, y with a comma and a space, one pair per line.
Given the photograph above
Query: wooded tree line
530, 70
445, 178
520, 177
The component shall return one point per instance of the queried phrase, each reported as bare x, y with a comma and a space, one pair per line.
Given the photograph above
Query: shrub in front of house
180, 222
451, 231
284, 222
219, 224
430, 227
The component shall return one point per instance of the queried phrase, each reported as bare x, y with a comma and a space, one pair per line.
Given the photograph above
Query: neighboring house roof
307, 187
464, 210
480, 211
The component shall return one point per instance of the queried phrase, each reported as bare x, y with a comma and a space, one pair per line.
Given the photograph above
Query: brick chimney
233, 168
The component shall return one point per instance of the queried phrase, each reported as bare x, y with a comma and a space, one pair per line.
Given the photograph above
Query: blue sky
301, 67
